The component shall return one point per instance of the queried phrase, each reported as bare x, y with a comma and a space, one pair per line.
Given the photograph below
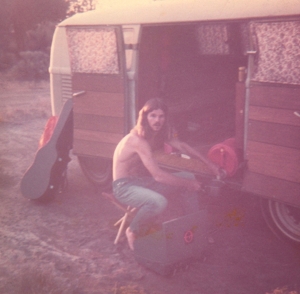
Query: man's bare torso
126, 161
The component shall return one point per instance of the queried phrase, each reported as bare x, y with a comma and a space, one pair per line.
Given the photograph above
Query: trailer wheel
283, 220
97, 170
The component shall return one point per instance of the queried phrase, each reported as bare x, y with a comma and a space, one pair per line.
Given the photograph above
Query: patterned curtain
213, 39
278, 52
93, 50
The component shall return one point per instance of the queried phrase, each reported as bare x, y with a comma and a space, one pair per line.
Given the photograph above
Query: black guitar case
47, 173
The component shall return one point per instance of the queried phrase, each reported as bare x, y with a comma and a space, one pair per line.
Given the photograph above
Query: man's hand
186, 149
220, 173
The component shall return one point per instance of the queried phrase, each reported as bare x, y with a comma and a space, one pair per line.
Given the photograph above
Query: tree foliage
19, 16
28, 13
77, 6
26, 30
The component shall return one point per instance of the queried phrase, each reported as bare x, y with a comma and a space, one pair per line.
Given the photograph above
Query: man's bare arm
144, 151
187, 149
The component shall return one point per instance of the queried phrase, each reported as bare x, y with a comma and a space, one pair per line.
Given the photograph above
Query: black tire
97, 170
283, 220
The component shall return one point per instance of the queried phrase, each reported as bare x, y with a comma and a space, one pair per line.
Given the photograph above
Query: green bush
40, 38
32, 65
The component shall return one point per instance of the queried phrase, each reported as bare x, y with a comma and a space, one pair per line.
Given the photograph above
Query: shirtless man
147, 193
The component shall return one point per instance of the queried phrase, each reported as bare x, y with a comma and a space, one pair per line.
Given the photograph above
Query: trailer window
278, 52
93, 50
213, 39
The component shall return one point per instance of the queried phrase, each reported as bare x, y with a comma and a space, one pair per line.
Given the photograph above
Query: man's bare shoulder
135, 140
130, 144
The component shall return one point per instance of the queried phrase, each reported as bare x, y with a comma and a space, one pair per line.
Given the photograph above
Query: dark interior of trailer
194, 69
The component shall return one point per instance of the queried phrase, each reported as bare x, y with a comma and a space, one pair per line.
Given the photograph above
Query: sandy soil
66, 245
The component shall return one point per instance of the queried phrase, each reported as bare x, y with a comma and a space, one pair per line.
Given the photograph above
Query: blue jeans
150, 198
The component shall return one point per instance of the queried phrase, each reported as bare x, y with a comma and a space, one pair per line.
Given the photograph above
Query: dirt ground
66, 245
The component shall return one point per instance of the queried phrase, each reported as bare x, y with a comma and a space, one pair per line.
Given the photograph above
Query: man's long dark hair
142, 126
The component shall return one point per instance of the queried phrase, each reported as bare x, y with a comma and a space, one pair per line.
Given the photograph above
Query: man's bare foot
130, 238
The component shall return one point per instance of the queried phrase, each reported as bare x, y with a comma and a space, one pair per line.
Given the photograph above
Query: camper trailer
228, 70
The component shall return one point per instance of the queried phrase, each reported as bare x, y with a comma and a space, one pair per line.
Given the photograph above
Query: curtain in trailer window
93, 50
213, 39
278, 52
